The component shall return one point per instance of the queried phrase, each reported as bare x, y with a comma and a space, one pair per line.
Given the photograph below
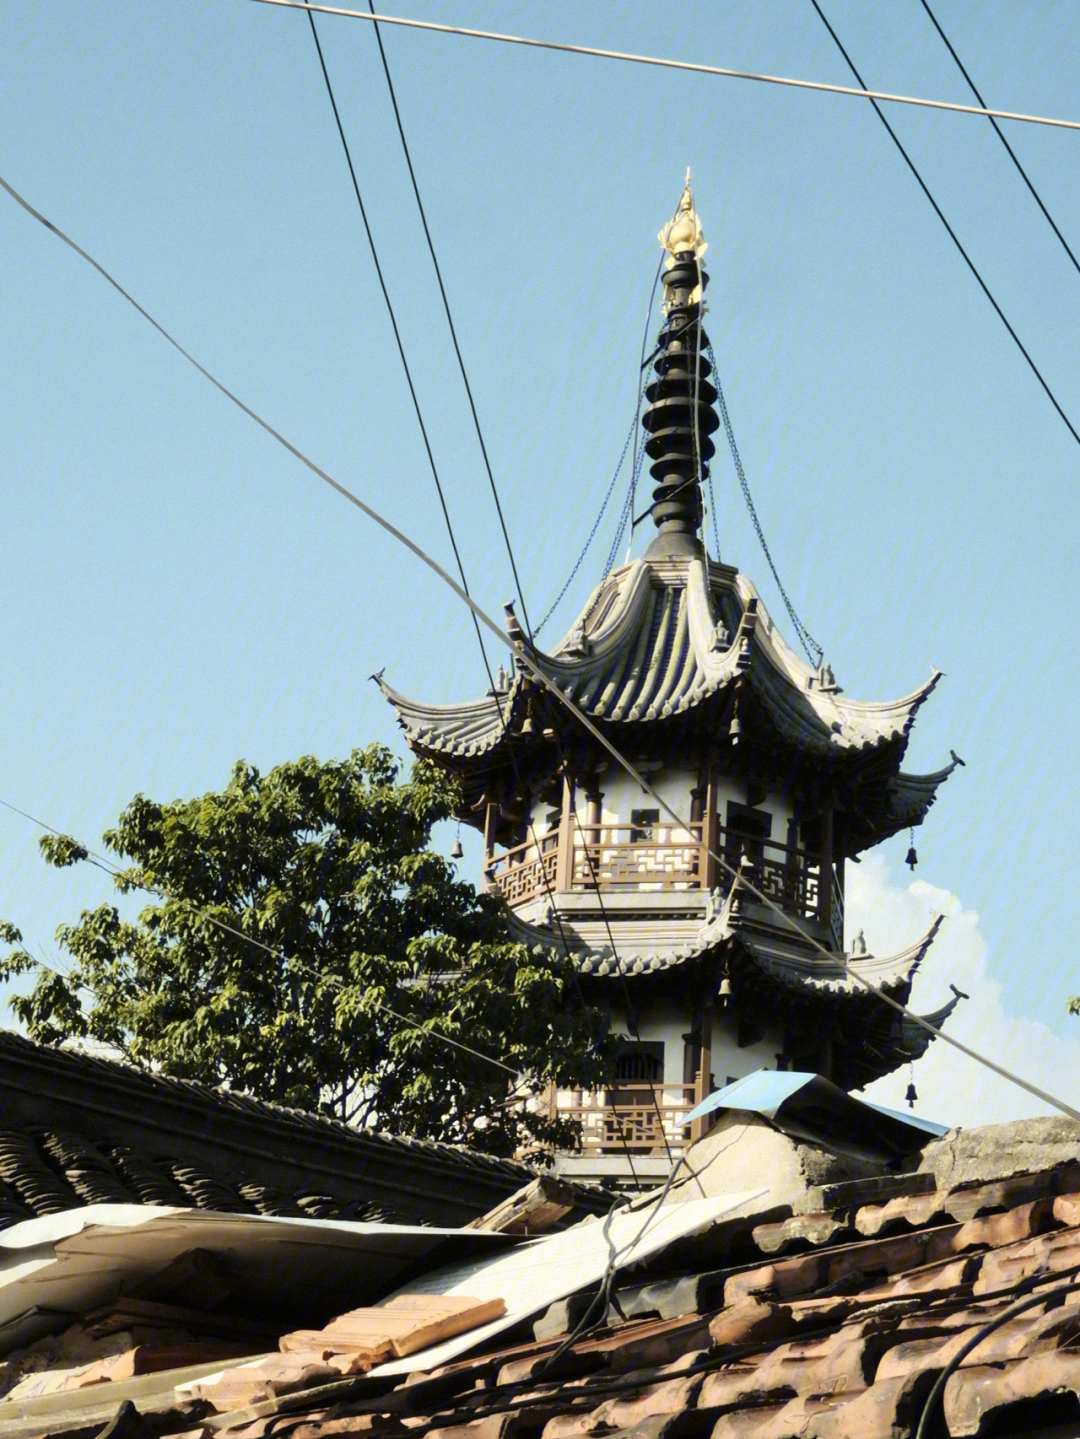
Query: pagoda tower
765, 762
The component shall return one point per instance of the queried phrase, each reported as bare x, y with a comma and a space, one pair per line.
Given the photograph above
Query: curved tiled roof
152, 1135
794, 968
665, 636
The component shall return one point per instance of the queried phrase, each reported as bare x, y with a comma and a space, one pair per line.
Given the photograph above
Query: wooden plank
532, 1210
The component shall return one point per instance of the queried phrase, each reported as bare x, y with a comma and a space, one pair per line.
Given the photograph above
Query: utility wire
397, 335
423, 430
524, 654
814, 651
952, 233
102, 862
490, 474
450, 324
862, 94
1000, 134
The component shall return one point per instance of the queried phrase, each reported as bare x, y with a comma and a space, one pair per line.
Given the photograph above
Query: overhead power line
539, 674
862, 94
476, 419
397, 335
998, 131
102, 862
951, 232
450, 323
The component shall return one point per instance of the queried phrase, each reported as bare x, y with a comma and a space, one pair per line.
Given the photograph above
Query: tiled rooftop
833, 1323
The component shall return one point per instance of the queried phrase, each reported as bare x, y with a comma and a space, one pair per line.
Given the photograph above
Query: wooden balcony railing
622, 856
612, 857
641, 1118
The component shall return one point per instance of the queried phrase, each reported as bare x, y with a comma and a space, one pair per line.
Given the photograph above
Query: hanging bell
723, 994
911, 1096
912, 858
456, 851
734, 729
527, 726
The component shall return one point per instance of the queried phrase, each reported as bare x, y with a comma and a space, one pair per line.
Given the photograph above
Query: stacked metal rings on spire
680, 448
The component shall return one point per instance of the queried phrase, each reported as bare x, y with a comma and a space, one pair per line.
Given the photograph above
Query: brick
737, 1384
921, 1325
625, 1411
842, 1361
889, 1409
943, 1278
852, 1193
669, 1298
1045, 1254
757, 1423
914, 1355
787, 1278
356, 1424
969, 1203
648, 1343
751, 1321
909, 1211
1032, 1393
814, 1229
1067, 1209
995, 1230
661, 1342
515, 1425
569, 1426
251, 1384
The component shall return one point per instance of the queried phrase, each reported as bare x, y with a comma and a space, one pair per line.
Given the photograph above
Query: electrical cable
635, 468
592, 533
408, 374
1001, 136
624, 520
602, 1302
450, 323
952, 233
934, 1397
103, 863
643, 380
535, 670
861, 94
480, 436
476, 421
814, 652
397, 334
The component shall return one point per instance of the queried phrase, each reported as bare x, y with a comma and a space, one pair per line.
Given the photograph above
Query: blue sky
179, 593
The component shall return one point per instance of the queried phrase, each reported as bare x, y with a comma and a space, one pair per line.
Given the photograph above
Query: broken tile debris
831, 1324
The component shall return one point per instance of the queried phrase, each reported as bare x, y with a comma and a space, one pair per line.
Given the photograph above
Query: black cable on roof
1001, 136
952, 233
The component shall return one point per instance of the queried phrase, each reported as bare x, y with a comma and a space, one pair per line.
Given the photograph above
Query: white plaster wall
663, 1019
623, 795
729, 1059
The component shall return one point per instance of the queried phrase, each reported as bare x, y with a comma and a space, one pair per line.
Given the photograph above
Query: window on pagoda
747, 831
643, 825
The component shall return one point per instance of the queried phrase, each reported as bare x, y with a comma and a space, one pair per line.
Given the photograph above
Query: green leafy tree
370, 955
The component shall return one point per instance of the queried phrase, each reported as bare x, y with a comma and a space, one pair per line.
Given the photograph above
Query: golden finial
684, 231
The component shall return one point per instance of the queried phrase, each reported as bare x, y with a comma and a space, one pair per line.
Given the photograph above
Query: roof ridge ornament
683, 231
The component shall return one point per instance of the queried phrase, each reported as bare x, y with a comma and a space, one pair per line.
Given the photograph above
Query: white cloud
952, 1088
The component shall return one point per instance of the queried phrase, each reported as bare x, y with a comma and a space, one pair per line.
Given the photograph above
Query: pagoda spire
681, 417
